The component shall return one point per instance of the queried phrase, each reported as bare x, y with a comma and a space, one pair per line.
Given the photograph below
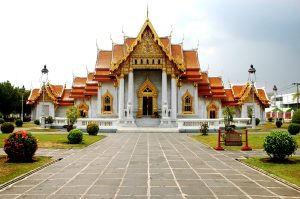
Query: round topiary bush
37, 122
294, 129
7, 127
279, 145
19, 123
75, 136
2, 120
257, 121
20, 146
270, 119
92, 128
296, 117
278, 123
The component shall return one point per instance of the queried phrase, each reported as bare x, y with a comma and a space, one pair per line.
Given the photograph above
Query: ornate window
153, 61
212, 111
135, 61
107, 101
83, 109
158, 61
141, 61
187, 103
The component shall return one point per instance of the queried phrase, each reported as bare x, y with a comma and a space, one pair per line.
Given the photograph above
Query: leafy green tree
72, 114
228, 113
10, 98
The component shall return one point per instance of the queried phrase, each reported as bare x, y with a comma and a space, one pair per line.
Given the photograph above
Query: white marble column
121, 97
173, 97
164, 101
130, 94
99, 99
196, 101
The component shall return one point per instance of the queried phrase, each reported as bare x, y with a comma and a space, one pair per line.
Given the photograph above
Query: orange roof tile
79, 81
237, 90
166, 43
191, 59
129, 41
177, 53
118, 52
104, 59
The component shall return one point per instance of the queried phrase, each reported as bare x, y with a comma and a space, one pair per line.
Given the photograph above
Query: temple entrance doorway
147, 99
147, 106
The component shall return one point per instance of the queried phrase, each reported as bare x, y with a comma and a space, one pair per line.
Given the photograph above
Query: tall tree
10, 98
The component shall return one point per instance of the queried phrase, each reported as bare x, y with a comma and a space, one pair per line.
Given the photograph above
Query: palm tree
228, 113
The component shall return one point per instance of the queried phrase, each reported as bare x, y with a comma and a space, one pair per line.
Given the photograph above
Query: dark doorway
147, 105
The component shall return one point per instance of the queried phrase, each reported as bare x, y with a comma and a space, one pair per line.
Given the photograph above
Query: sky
230, 36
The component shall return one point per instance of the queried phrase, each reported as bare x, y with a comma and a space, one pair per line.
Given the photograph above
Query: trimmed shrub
26, 118
278, 123
270, 119
204, 128
7, 127
257, 121
294, 129
92, 128
2, 120
279, 145
19, 123
37, 122
296, 117
20, 146
75, 136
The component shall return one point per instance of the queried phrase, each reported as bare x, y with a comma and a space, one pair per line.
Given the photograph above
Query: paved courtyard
148, 165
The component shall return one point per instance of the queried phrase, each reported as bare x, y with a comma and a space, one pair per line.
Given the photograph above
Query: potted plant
72, 114
231, 137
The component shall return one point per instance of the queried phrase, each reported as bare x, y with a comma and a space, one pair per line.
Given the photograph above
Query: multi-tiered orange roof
186, 62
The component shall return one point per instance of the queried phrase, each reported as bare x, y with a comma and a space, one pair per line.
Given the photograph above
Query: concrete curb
16, 179
269, 174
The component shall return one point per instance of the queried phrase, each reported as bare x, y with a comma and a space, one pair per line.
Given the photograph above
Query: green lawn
255, 140
268, 127
59, 140
289, 170
12, 170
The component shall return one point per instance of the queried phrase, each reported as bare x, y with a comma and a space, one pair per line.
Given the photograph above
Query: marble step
147, 122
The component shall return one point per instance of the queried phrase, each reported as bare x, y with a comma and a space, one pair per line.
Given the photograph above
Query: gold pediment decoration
147, 46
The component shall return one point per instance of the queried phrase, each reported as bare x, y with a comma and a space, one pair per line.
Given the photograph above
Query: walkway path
152, 165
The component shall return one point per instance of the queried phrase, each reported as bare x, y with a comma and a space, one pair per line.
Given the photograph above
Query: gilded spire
147, 13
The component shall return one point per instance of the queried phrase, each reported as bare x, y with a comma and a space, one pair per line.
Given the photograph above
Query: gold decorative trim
187, 103
141, 94
83, 108
107, 95
212, 107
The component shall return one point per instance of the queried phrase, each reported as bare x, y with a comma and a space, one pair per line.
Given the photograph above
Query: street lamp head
22, 89
251, 72
275, 88
45, 74
45, 70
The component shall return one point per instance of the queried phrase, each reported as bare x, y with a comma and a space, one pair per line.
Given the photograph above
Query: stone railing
195, 124
104, 123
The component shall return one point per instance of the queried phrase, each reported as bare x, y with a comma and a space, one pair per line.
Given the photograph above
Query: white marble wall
181, 91
258, 111
39, 109
61, 111
106, 86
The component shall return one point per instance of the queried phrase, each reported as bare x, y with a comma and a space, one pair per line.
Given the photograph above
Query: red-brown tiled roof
191, 59
104, 59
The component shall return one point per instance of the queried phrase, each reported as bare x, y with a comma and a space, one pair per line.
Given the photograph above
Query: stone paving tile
156, 165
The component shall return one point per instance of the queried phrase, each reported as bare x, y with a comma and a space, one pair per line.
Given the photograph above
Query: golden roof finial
147, 13
171, 31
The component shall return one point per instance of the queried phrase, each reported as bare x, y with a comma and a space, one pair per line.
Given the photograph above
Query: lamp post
252, 78
275, 106
44, 79
22, 90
